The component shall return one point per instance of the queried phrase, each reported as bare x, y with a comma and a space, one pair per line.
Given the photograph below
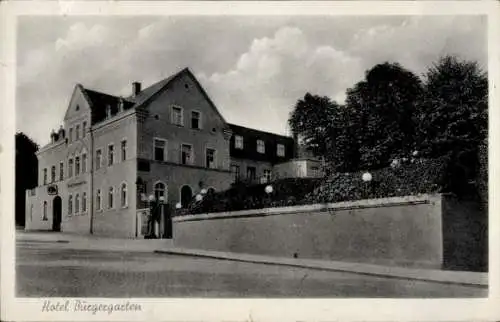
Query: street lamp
178, 205
268, 189
395, 163
367, 178
203, 191
199, 197
155, 205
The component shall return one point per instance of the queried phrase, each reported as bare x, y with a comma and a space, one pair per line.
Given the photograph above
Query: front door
186, 196
56, 213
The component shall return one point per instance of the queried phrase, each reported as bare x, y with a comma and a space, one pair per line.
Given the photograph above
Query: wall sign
52, 190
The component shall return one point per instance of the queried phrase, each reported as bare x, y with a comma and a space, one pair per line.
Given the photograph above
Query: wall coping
345, 205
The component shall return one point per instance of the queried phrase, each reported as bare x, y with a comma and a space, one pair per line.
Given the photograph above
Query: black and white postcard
249, 161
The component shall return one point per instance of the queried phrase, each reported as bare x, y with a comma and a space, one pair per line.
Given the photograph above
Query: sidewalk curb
287, 262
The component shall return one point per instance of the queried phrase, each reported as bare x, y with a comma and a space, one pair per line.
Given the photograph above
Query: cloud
81, 37
262, 88
420, 40
254, 68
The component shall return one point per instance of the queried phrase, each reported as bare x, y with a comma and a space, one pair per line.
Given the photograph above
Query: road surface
45, 269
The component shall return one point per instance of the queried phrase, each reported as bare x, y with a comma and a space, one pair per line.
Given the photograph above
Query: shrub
407, 177
253, 196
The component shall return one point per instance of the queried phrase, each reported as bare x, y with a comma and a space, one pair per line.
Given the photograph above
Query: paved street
49, 268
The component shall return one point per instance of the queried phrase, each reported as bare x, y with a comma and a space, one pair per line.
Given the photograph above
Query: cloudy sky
254, 68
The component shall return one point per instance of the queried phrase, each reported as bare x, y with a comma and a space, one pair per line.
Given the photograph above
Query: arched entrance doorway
56, 213
186, 196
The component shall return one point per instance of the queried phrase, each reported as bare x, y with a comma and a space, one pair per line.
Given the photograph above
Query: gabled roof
146, 93
247, 130
152, 91
99, 101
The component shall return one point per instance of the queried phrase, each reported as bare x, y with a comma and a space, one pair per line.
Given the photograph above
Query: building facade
168, 141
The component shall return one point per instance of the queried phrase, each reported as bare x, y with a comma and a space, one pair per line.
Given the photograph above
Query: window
280, 150
159, 190
235, 169
70, 168
124, 149
45, 176
267, 176
70, 134
70, 204
261, 147
195, 119
210, 159
84, 202
77, 132
111, 154
160, 149
123, 194
98, 159
186, 154
177, 118
45, 211
77, 203
77, 166
251, 173
238, 142
61, 171
53, 174
84, 129
111, 193
98, 199
315, 172
84, 162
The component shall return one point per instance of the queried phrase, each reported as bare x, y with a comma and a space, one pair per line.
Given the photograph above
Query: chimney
136, 88
52, 136
61, 132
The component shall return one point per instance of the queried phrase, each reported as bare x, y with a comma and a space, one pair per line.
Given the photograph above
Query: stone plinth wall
403, 231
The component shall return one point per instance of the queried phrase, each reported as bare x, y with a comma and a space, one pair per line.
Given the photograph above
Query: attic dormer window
108, 111
120, 105
261, 147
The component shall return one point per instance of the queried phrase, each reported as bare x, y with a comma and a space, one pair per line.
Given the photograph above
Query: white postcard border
20, 309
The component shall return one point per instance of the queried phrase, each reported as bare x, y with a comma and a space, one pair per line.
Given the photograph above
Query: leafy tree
311, 121
382, 108
452, 118
344, 153
327, 130
26, 172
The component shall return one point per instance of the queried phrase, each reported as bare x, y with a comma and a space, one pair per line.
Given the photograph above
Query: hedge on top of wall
404, 177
